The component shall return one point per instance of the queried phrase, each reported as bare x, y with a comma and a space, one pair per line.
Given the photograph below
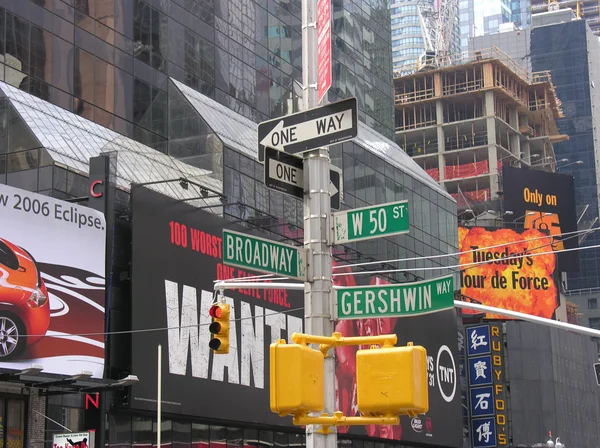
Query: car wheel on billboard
12, 339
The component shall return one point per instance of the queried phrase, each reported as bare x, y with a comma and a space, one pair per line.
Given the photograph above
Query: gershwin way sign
399, 300
370, 222
311, 129
263, 255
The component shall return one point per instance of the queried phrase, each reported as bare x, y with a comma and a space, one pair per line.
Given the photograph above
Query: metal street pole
317, 216
159, 397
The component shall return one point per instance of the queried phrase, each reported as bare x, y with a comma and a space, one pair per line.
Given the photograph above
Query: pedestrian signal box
392, 381
296, 374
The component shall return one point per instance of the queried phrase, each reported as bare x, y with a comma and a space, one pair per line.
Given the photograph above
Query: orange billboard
500, 268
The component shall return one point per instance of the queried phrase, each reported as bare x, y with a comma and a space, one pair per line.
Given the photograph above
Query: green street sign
370, 222
262, 255
399, 300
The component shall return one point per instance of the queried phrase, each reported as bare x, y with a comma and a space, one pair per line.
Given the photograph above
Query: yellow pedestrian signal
296, 376
392, 381
219, 328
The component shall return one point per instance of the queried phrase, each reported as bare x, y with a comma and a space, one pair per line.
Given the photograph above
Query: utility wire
272, 277
458, 266
150, 330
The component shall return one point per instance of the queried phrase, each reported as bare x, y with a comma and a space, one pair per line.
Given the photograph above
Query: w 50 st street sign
370, 222
398, 300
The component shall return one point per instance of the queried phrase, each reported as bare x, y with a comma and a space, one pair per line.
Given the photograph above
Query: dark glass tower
572, 53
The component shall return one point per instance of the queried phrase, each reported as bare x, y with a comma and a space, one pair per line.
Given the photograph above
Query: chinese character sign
484, 432
480, 370
483, 346
482, 401
478, 340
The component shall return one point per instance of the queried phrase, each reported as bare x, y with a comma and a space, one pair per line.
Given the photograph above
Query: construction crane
437, 19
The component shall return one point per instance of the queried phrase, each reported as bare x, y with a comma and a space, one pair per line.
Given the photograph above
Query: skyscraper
423, 25
481, 17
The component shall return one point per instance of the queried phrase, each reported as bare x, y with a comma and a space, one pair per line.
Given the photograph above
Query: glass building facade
175, 89
109, 60
572, 53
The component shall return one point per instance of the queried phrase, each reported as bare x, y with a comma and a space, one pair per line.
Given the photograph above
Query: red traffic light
215, 311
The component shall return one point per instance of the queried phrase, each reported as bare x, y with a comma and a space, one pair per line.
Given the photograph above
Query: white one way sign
315, 128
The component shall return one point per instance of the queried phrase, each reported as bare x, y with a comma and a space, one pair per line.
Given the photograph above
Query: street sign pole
317, 216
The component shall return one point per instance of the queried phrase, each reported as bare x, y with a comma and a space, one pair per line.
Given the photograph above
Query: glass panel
166, 433
19, 135
296, 440
265, 437
23, 160
235, 437
142, 431
181, 434
60, 179
120, 434
281, 439
15, 424
200, 435
250, 437
3, 123
218, 436
2, 403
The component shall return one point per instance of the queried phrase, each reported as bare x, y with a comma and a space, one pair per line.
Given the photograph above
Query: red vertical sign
324, 77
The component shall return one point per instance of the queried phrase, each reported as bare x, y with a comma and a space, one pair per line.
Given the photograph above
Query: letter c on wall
93, 192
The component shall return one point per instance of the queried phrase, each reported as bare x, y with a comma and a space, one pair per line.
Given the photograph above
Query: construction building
461, 123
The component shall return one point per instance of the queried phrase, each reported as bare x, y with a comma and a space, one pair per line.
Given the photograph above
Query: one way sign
285, 173
315, 128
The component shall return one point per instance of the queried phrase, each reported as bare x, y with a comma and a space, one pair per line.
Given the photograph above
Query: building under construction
461, 123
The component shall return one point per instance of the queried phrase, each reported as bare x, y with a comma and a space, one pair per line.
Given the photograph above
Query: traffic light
219, 328
392, 381
296, 378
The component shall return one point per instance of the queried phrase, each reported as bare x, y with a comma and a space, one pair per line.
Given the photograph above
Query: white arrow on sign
332, 188
281, 136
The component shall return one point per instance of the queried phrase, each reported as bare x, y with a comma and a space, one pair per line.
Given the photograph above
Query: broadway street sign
284, 172
400, 300
370, 222
262, 255
314, 128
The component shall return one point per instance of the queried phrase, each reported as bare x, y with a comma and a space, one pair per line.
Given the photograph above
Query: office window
595, 323
592, 304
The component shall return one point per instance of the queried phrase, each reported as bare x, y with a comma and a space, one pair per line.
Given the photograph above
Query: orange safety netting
434, 173
466, 170
472, 196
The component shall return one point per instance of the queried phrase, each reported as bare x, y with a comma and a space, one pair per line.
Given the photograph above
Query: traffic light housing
296, 379
219, 328
392, 381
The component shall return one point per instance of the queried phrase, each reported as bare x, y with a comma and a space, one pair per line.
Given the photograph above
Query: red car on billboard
24, 304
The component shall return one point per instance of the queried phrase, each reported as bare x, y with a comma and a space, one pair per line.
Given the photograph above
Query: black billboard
544, 201
177, 256
438, 333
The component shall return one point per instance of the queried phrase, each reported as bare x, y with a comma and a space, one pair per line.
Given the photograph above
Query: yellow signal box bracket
337, 340
381, 370
339, 419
